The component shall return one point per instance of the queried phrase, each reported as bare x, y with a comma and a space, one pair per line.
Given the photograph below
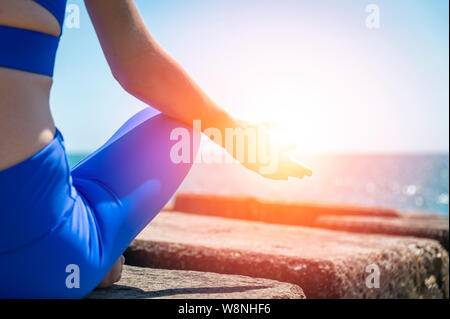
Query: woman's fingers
293, 168
300, 169
287, 167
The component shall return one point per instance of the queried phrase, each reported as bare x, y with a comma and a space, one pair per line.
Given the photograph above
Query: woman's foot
113, 275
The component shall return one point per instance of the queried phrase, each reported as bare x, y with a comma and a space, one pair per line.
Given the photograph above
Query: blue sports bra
28, 50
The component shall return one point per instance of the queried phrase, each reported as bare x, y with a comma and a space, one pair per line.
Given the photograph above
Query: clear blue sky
311, 65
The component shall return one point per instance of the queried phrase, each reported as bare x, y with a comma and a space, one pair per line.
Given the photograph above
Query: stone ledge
147, 283
347, 218
247, 208
326, 264
433, 228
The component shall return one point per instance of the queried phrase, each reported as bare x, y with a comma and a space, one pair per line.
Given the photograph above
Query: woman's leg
62, 231
129, 179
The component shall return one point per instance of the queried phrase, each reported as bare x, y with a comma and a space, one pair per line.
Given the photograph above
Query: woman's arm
146, 71
143, 69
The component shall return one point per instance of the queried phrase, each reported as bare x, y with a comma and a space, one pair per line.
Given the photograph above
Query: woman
62, 232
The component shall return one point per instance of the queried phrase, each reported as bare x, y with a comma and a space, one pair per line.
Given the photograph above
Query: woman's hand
253, 146
146, 71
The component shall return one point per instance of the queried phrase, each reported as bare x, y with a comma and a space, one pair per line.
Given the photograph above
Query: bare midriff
26, 123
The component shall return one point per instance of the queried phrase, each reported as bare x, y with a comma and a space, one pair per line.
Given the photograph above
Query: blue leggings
61, 231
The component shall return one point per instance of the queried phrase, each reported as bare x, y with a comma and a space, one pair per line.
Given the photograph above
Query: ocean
410, 183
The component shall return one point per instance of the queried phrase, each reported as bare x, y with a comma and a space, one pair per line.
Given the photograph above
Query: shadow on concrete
118, 291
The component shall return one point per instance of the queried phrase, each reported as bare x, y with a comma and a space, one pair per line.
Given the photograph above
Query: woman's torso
26, 124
